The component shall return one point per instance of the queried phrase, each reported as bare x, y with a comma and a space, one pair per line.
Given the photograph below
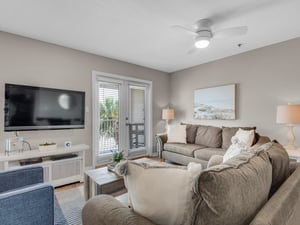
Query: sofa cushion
280, 163
229, 132
170, 200
177, 134
191, 131
207, 153
234, 191
209, 136
183, 149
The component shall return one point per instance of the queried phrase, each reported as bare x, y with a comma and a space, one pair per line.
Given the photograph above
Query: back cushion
280, 163
160, 192
191, 131
209, 136
233, 192
229, 132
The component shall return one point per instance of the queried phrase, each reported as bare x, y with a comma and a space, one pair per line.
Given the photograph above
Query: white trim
109, 77
95, 123
118, 76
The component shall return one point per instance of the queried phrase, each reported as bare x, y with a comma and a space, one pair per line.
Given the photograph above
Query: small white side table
294, 154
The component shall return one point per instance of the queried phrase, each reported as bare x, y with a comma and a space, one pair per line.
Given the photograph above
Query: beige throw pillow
177, 134
163, 194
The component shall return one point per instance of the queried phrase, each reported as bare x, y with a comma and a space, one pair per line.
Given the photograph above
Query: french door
121, 117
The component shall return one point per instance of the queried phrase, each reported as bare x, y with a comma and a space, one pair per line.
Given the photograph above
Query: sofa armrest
284, 205
106, 210
161, 139
14, 179
30, 205
262, 140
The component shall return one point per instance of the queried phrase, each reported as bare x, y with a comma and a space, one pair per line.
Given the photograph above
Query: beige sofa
259, 188
202, 143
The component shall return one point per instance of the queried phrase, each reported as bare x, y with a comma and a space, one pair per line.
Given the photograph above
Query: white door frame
102, 76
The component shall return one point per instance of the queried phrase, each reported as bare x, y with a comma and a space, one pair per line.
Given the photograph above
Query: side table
101, 181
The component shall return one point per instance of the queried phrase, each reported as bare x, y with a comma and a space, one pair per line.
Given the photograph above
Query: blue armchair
25, 199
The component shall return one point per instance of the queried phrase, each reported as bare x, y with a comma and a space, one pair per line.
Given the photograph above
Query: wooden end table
101, 181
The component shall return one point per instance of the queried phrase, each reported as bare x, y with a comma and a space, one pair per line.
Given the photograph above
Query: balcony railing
109, 135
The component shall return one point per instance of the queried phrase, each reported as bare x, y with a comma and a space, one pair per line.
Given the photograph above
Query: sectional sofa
257, 188
202, 143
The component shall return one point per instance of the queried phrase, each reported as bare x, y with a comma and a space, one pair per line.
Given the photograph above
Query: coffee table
101, 181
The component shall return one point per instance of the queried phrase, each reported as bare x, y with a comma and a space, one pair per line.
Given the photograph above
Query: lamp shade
168, 114
289, 114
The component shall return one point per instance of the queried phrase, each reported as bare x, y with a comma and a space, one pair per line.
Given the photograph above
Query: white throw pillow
245, 136
240, 142
177, 134
234, 149
162, 194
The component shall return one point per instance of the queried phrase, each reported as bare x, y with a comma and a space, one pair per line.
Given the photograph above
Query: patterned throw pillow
240, 142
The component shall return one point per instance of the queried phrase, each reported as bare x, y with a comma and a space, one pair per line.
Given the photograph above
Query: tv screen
38, 108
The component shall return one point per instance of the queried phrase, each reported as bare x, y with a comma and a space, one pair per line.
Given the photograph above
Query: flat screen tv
39, 108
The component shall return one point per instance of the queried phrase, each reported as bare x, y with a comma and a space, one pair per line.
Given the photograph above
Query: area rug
59, 218
71, 202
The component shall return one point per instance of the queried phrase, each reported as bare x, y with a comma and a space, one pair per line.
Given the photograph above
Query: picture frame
215, 103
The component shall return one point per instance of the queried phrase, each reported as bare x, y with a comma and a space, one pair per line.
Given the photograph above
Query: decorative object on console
167, 114
215, 103
68, 144
290, 115
13, 144
47, 146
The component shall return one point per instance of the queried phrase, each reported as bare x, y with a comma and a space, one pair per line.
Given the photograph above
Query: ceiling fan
203, 32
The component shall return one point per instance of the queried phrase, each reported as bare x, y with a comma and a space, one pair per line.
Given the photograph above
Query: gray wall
266, 77
31, 62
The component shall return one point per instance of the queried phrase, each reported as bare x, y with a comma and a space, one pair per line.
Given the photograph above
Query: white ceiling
139, 31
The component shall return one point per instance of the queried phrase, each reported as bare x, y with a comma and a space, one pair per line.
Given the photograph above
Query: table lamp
167, 114
290, 115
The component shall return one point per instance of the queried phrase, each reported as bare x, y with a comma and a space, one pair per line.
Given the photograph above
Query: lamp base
291, 138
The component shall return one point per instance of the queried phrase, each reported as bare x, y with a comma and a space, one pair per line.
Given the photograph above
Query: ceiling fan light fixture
203, 39
202, 42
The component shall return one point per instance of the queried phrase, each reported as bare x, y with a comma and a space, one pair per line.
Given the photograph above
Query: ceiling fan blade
231, 32
191, 51
185, 29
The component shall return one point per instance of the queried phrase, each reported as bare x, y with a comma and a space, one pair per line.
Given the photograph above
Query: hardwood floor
68, 186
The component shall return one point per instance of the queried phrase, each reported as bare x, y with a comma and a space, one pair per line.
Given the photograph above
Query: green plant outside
109, 114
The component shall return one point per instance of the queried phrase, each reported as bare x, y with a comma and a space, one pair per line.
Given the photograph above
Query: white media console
60, 171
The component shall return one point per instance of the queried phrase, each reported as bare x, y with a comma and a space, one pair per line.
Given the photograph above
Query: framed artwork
215, 103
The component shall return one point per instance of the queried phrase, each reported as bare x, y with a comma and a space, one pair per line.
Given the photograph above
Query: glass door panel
108, 96
121, 118
136, 119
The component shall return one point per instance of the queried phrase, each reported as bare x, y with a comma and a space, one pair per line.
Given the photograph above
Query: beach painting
215, 103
